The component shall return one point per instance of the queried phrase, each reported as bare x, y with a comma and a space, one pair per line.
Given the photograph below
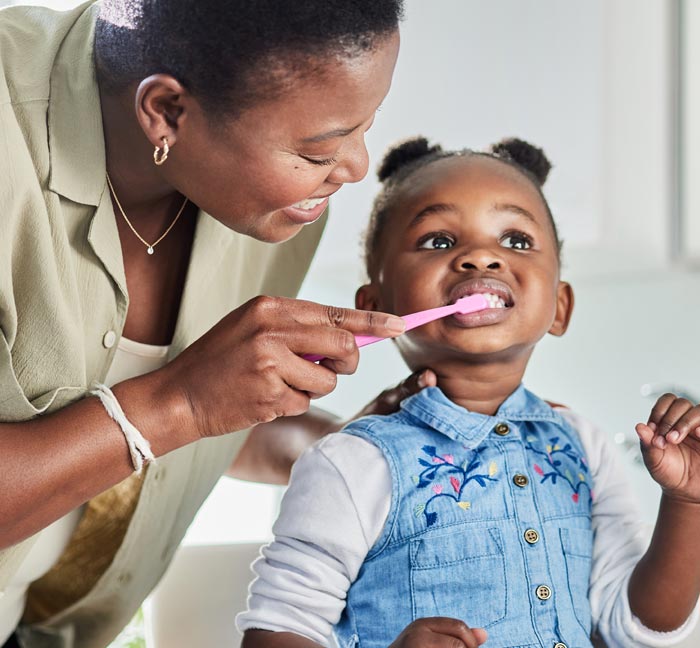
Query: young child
478, 512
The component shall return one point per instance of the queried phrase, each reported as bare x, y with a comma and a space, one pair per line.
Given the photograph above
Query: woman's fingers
248, 370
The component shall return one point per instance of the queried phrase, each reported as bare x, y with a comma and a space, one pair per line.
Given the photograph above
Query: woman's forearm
665, 584
267, 639
271, 448
55, 463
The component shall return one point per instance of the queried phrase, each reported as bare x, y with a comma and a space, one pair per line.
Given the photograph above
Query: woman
149, 154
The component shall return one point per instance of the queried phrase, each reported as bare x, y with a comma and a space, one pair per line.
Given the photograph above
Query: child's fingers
651, 443
667, 426
687, 424
659, 410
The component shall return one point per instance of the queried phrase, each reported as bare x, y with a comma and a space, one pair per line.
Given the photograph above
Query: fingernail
697, 432
396, 325
673, 436
421, 381
652, 426
659, 442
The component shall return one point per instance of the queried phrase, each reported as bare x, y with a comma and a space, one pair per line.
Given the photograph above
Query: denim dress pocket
577, 545
460, 575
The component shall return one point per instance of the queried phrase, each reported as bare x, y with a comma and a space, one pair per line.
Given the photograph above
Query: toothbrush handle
412, 321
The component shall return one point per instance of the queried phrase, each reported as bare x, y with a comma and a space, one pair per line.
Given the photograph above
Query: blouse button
109, 338
520, 480
531, 536
559, 644
501, 429
543, 592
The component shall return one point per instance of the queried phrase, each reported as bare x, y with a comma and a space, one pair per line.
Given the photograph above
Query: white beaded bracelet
139, 447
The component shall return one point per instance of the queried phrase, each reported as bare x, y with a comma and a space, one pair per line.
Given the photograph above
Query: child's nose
478, 259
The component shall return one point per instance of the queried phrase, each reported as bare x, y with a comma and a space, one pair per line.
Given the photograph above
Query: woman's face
270, 170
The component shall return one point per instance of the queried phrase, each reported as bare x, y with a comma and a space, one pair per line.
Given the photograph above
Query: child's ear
367, 297
565, 306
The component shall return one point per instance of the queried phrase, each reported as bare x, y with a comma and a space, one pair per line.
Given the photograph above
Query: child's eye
516, 241
436, 242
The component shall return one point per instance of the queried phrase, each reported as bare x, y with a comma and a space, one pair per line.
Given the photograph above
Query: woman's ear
367, 297
161, 107
565, 307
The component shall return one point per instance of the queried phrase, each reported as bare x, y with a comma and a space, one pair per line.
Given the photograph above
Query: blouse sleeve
331, 515
620, 540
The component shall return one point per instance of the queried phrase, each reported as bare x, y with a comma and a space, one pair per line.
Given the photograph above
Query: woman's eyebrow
509, 207
436, 208
332, 134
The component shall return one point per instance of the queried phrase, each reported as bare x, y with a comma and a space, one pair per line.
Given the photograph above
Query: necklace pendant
150, 249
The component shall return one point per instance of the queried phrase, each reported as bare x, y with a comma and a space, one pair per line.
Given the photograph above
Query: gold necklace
149, 246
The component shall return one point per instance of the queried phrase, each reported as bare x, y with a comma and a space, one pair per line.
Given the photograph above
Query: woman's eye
321, 161
516, 241
436, 242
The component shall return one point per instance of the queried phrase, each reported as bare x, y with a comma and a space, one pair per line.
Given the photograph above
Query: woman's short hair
231, 53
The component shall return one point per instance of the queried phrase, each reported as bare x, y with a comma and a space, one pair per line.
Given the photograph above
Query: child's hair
413, 154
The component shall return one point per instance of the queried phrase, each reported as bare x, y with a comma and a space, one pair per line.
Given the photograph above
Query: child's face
467, 225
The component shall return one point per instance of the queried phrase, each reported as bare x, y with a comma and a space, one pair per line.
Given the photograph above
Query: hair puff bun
404, 153
526, 155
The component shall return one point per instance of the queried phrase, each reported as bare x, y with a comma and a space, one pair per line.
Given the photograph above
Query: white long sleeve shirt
335, 509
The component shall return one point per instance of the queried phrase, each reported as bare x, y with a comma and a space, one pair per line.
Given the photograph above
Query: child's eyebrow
437, 208
509, 207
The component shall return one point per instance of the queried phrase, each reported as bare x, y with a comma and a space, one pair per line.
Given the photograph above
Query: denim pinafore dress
490, 523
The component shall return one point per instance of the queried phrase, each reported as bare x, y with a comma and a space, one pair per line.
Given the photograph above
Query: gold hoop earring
160, 157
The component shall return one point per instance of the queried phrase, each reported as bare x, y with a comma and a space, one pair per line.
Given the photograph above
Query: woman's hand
440, 632
248, 368
670, 443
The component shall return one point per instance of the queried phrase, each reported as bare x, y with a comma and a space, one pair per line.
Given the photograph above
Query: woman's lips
306, 211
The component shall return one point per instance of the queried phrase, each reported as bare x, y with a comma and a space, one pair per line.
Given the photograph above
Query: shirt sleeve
620, 540
334, 510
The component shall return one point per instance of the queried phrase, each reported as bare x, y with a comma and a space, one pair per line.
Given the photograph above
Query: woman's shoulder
30, 39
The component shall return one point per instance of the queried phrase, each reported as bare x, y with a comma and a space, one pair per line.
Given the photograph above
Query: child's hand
671, 446
439, 632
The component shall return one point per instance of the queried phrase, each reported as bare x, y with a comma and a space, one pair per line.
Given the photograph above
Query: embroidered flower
436, 467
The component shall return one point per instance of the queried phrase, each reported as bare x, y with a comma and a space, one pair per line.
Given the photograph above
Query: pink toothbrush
470, 304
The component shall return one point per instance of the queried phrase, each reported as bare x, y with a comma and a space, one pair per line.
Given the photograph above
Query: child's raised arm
665, 584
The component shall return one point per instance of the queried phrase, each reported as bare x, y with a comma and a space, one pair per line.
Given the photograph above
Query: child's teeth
308, 203
494, 301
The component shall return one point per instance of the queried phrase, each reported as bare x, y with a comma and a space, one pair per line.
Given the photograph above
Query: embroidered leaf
554, 477
455, 484
575, 498
493, 468
480, 480
538, 470
418, 511
554, 440
423, 483
437, 489
430, 518
582, 477
465, 506
464, 465
567, 447
416, 479
556, 447
430, 450
556, 463
568, 474
425, 463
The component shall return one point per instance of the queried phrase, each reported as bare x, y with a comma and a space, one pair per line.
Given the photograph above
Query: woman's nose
353, 165
477, 259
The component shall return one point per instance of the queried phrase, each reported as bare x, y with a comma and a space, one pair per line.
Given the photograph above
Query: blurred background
611, 90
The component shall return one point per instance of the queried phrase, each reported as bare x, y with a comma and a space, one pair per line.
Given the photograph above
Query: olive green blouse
63, 296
